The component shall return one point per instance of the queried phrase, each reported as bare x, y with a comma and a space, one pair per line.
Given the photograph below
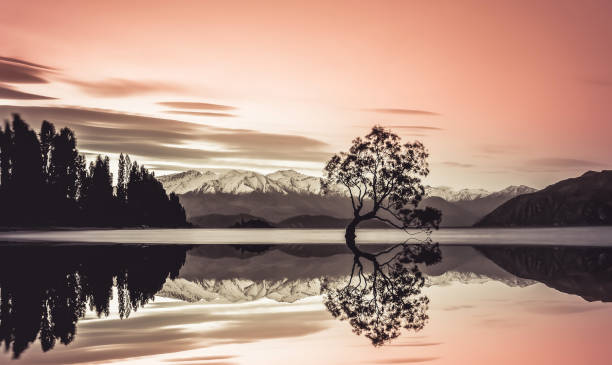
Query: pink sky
518, 92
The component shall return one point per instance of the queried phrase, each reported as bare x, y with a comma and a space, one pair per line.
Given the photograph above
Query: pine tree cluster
44, 181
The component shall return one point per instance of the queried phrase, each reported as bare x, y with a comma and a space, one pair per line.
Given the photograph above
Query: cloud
10, 93
416, 344
400, 111
195, 105
202, 114
557, 162
403, 360
603, 82
415, 127
116, 87
564, 308
172, 141
494, 149
19, 74
457, 164
26, 63
201, 358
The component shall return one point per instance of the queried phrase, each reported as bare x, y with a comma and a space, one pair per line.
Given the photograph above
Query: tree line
45, 181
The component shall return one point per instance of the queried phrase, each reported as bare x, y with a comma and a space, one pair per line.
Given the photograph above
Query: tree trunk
350, 236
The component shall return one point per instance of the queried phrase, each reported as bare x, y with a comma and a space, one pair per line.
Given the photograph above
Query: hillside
585, 200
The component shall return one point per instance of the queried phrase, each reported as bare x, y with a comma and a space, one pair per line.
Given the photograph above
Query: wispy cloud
172, 141
19, 74
117, 87
559, 162
400, 111
200, 114
415, 127
403, 360
7, 92
599, 81
457, 164
195, 105
26, 63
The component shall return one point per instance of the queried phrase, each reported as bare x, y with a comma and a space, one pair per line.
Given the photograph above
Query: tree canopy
382, 176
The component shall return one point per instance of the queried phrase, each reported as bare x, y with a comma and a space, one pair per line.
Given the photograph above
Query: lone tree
383, 179
382, 176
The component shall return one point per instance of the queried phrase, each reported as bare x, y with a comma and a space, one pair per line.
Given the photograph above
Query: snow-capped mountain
289, 181
285, 194
514, 190
452, 195
240, 182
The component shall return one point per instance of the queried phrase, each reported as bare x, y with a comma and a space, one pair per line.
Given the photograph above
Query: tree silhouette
64, 159
383, 179
46, 182
122, 171
25, 183
381, 302
47, 135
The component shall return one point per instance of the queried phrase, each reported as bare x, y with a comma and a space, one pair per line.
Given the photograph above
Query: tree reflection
385, 296
44, 291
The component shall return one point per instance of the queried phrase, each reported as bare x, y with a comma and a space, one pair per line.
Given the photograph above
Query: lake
591, 236
193, 296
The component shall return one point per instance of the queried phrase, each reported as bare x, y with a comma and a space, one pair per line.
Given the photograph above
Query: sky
501, 93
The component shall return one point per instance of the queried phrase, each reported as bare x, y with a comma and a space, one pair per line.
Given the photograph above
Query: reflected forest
44, 291
45, 181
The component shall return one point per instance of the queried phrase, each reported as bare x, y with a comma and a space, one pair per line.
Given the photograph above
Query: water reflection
583, 271
381, 302
44, 291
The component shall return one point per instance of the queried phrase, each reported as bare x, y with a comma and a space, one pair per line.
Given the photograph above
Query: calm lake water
535, 296
593, 236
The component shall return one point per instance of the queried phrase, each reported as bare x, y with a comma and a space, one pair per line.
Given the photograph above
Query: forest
46, 182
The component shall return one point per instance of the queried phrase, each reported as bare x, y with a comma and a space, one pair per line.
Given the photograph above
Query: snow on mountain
294, 181
240, 290
289, 291
451, 195
289, 181
240, 182
515, 190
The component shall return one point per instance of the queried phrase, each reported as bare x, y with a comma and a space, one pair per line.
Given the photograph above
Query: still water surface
496, 300
594, 236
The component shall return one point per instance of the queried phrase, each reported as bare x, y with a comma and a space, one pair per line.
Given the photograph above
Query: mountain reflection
583, 271
381, 302
44, 291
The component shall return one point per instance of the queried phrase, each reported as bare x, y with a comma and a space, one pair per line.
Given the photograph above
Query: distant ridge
282, 196
584, 200
300, 221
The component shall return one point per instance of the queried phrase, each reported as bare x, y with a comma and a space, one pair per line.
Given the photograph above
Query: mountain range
581, 201
219, 198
